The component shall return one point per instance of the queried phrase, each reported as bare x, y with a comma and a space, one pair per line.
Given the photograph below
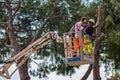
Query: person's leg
76, 45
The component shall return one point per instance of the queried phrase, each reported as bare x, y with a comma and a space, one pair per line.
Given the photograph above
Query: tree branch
101, 38
7, 4
3, 23
87, 73
99, 19
18, 6
40, 30
43, 24
97, 42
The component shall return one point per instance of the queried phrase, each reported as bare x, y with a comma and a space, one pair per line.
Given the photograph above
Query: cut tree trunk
99, 38
97, 42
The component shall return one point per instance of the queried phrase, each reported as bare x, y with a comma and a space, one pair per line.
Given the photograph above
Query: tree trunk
98, 40
96, 72
87, 73
23, 71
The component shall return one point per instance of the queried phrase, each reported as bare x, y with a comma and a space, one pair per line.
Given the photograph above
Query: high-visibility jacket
76, 43
87, 48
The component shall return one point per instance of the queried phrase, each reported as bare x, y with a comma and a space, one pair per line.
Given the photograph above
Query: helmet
92, 20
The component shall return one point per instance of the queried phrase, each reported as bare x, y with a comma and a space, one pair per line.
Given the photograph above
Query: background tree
115, 77
111, 28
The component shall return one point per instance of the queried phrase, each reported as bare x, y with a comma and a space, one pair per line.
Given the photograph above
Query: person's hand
93, 36
81, 28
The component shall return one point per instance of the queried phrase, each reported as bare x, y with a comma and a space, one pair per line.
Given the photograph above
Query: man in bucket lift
78, 26
88, 37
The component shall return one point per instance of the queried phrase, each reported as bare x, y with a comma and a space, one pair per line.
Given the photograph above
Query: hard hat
92, 20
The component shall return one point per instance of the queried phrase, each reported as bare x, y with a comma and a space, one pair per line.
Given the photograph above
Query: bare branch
3, 23
101, 38
87, 73
97, 43
7, 4
40, 29
18, 6
99, 19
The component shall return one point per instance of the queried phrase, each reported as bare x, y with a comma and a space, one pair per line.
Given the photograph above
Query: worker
88, 37
89, 28
78, 26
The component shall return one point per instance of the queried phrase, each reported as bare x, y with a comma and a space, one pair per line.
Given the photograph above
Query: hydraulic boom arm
27, 52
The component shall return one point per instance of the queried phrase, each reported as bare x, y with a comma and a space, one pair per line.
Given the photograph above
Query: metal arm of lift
27, 52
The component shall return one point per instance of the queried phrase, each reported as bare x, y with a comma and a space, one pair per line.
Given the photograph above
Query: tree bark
23, 70
98, 40
87, 73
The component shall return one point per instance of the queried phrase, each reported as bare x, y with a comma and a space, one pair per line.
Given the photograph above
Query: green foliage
108, 22
113, 47
3, 37
111, 28
63, 15
67, 12
111, 15
115, 77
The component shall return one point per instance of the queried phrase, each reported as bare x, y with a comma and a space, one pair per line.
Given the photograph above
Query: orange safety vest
76, 43
76, 38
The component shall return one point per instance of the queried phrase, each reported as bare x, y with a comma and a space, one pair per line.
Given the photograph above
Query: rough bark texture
13, 43
23, 71
98, 40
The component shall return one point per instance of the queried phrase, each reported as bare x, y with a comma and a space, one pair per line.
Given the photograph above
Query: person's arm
72, 29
